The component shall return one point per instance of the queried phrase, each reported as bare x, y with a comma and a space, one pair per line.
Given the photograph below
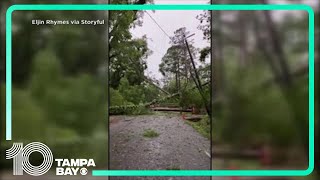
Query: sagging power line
158, 25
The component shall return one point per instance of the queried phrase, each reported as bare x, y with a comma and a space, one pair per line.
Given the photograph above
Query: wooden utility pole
196, 78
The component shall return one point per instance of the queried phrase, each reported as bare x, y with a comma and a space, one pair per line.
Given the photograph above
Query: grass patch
149, 133
201, 126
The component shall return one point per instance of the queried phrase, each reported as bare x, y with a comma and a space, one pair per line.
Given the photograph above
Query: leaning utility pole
196, 78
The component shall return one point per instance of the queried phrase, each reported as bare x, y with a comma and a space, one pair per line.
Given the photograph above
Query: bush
120, 110
29, 121
150, 92
255, 114
116, 99
140, 110
133, 94
191, 97
129, 110
77, 103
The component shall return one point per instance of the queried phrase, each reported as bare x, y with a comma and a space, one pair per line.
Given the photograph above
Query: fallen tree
171, 109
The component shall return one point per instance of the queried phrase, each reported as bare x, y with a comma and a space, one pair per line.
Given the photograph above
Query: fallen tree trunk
153, 84
158, 100
171, 109
170, 105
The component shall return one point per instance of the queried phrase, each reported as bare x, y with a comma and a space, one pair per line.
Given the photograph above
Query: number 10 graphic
20, 156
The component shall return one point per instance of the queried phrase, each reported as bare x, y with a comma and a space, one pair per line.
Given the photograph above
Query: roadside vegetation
150, 133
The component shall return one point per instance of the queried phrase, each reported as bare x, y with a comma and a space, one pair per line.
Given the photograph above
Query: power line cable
158, 25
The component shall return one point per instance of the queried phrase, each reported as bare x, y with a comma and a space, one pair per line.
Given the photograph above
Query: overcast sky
170, 21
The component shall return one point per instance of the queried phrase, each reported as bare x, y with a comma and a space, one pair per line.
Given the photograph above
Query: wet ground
178, 146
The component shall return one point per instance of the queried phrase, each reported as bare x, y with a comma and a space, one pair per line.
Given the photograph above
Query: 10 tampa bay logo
21, 162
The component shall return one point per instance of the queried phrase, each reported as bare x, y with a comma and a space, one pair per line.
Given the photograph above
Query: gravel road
178, 145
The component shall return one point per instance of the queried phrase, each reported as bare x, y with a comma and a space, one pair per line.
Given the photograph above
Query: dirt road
177, 147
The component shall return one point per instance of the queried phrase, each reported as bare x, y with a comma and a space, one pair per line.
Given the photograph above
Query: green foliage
79, 104
205, 24
133, 94
202, 126
255, 115
124, 109
129, 109
46, 73
80, 56
190, 95
177, 68
191, 98
149, 133
60, 133
61, 111
131, 99
130, 64
204, 53
204, 71
176, 62
170, 62
98, 150
150, 92
28, 118
116, 99
170, 86
127, 55
140, 110
71, 102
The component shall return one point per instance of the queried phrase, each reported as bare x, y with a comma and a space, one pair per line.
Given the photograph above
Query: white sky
170, 21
